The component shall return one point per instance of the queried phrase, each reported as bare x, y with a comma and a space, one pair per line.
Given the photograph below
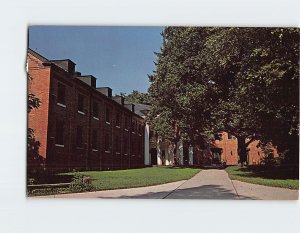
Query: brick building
204, 153
78, 125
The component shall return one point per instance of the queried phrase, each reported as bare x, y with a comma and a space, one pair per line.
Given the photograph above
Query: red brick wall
255, 154
40, 87
230, 155
68, 155
229, 149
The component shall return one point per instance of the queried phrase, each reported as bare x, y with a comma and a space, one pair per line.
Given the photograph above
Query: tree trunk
175, 153
175, 140
242, 149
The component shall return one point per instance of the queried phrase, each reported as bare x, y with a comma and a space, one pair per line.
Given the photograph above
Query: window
94, 140
61, 94
132, 148
117, 144
107, 115
231, 152
79, 137
118, 119
230, 136
125, 146
217, 136
95, 110
126, 122
80, 103
140, 129
107, 143
133, 126
59, 137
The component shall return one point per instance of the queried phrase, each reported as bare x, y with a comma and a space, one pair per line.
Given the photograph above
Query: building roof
140, 109
37, 55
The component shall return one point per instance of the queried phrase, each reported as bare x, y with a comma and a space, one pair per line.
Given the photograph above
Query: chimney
66, 64
88, 79
105, 90
130, 107
119, 99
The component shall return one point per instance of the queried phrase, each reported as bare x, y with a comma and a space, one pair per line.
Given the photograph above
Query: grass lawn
131, 178
104, 180
276, 176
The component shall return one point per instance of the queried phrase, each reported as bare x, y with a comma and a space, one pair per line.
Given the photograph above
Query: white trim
82, 113
96, 118
107, 122
59, 145
94, 150
118, 153
108, 152
61, 105
117, 126
126, 130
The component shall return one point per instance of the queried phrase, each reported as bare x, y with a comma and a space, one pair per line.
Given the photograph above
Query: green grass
276, 176
119, 179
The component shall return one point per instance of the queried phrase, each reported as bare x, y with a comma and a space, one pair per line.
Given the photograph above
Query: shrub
269, 160
80, 183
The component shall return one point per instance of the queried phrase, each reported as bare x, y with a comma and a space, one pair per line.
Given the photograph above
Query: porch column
180, 152
147, 158
159, 153
191, 155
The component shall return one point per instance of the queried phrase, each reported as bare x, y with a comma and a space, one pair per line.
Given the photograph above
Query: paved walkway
207, 184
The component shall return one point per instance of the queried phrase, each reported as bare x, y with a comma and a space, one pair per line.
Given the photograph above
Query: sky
119, 57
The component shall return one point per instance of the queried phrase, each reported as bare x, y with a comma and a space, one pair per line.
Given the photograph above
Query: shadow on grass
281, 173
52, 178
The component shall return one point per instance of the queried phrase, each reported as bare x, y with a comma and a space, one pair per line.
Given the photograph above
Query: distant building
78, 125
204, 153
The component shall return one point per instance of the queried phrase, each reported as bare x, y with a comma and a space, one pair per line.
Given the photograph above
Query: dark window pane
94, 140
80, 103
117, 119
61, 94
126, 122
118, 144
79, 138
95, 109
59, 137
107, 115
107, 142
125, 147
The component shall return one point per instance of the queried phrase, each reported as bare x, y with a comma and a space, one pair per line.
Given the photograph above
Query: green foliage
240, 80
136, 97
80, 184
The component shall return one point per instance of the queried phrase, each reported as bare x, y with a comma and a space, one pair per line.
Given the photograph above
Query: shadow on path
202, 192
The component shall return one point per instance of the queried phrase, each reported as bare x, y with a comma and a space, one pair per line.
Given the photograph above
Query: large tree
136, 97
240, 80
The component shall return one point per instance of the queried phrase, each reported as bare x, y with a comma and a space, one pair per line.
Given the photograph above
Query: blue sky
119, 57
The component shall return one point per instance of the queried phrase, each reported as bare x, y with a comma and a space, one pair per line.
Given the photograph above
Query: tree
240, 80
33, 158
136, 97
261, 66
181, 94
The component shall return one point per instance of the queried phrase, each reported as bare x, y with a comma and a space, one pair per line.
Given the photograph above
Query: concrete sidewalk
207, 184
